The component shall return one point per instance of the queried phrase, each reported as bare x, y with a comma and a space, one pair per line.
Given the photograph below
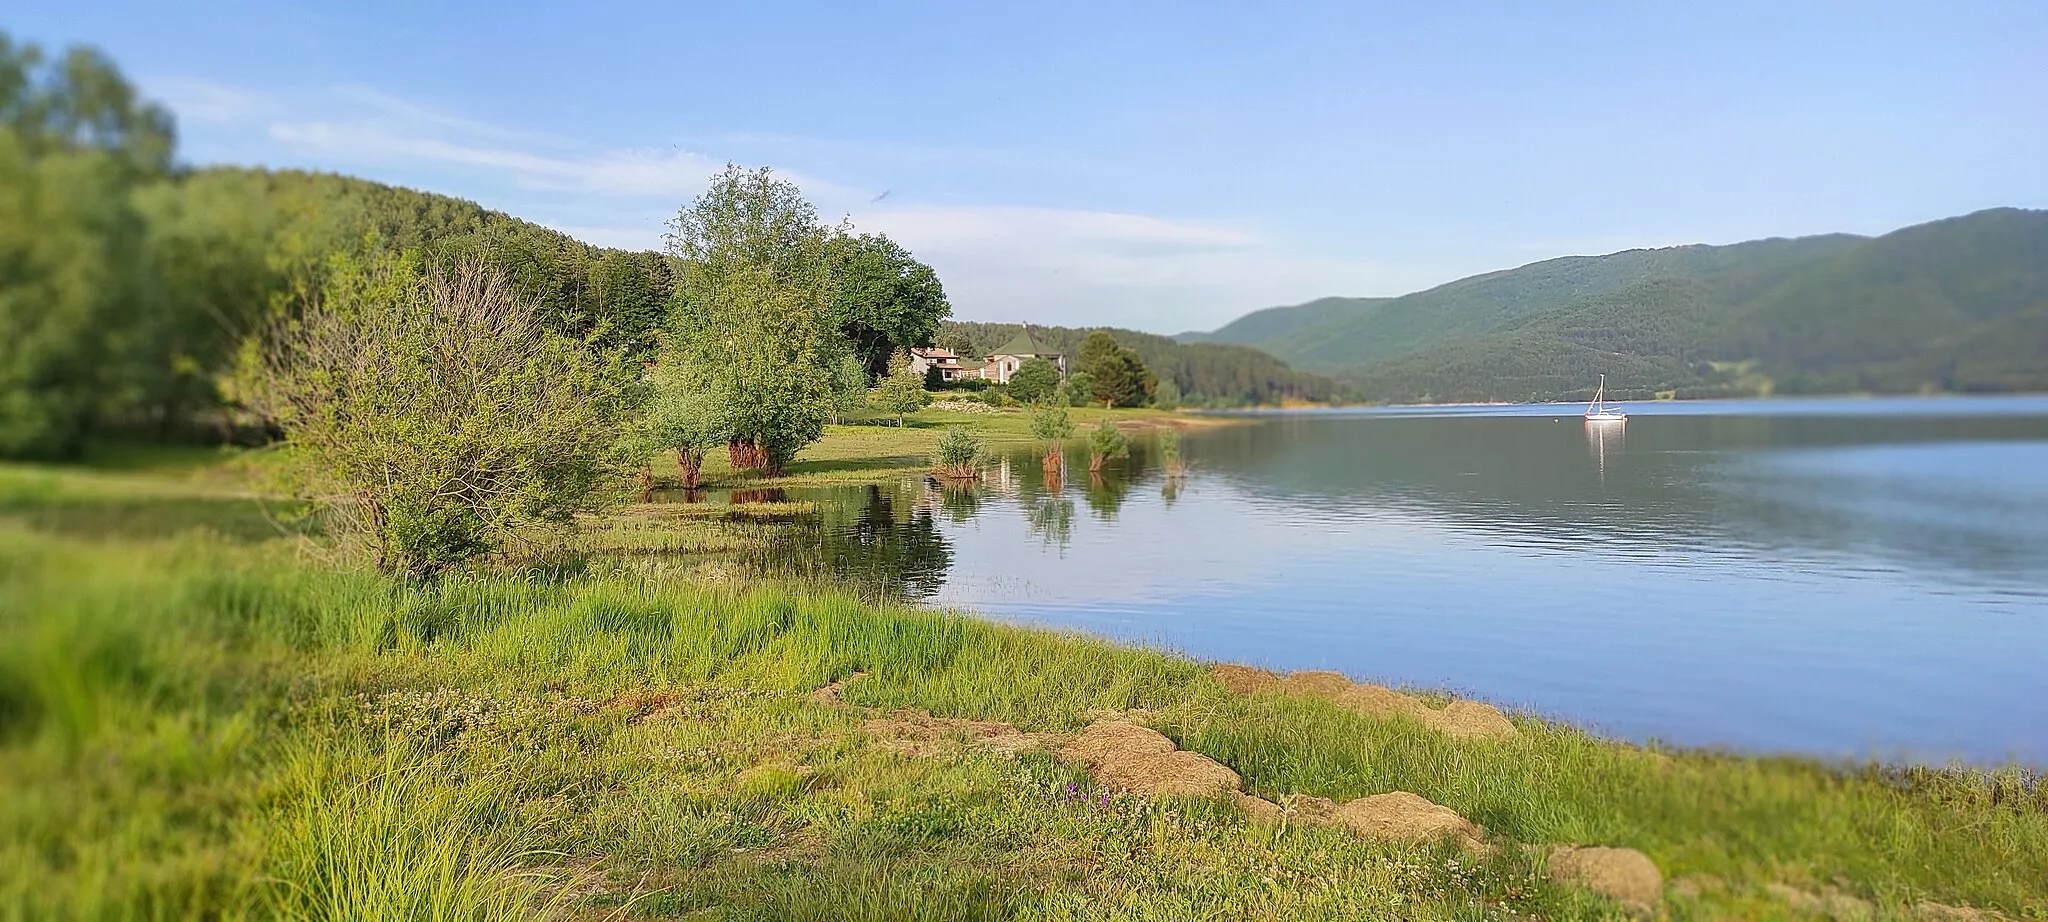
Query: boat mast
1598, 395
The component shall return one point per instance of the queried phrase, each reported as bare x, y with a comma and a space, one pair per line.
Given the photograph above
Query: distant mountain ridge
1959, 304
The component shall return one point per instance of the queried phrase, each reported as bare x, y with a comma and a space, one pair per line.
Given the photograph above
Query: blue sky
1164, 166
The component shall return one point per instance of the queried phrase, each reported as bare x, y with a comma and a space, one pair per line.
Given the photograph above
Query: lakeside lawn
200, 717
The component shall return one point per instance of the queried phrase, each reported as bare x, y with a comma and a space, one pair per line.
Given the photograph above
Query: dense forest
1959, 305
1206, 374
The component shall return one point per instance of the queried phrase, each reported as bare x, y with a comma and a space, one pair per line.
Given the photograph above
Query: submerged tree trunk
691, 462
646, 484
1095, 462
746, 454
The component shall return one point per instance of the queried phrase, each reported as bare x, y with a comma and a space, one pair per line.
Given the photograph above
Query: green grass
198, 723
865, 450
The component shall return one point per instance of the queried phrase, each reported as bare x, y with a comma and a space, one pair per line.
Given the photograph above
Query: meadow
203, 714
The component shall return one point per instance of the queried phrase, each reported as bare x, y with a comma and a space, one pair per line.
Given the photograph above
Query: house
948, 364
1003, 362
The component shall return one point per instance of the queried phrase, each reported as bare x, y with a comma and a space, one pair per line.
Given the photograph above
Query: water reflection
879, 542
1824, 583
1604, 438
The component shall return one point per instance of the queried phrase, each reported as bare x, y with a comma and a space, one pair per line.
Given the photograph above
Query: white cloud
1076, 266
194, 99
1088, 267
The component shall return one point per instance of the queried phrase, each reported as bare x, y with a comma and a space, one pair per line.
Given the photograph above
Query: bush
432, 412
1106, 442
1034, 380
1078, 390
959, 455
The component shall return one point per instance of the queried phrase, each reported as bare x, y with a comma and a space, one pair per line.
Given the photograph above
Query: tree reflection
861, 541
1106, 495
1051, 519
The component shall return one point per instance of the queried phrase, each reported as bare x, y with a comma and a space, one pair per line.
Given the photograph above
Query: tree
75, 324
902, 392
1078, 389
685, 413
753, 300
849, 386
960, 344
1034, 380
1051, 425
1117, 376
1106, 442
433, 411
884, 300
70, 257
1167, 395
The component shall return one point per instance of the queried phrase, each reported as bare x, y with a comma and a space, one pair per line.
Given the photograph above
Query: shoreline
828, 745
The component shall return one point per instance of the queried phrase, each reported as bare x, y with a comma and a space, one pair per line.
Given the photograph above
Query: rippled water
1843, 577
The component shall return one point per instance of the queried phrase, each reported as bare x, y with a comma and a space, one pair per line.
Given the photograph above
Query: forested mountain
1953, 305
1213, 374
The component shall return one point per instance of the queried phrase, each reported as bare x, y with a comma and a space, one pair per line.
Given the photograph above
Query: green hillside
1206, 373
1954, 305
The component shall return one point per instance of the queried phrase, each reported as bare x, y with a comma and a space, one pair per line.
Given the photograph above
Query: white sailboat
1598, 411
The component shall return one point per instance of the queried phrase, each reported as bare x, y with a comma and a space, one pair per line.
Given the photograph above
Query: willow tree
753, 313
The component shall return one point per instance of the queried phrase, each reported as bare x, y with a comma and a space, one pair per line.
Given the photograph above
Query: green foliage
1106, 442
1078, 390
70, 261
1169, 448
1167, 395
1050, 423
753, 302
433, 411
1225, 375
849, 386
1117, 376
75, 311
884, 300
902, 392
959, 453
951, 338
1034, 380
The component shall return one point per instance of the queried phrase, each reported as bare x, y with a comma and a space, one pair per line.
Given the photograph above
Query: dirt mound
1462, 719
1259, 809
1315, 683
1143, 760
1472, 720
1243, 680
1403, 817
1627, 876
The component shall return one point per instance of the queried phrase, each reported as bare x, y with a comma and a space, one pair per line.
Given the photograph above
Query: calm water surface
1840, 577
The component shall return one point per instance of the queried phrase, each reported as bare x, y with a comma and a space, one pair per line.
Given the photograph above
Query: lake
1859, 578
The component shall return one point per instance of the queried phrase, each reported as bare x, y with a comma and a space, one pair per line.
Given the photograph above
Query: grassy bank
197, 720
870, 447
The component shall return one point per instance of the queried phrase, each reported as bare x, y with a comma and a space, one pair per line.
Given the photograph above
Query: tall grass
206, 727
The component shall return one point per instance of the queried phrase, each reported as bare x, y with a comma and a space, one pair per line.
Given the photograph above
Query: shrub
1034, 380
1106, 442
959, 455
431, 411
